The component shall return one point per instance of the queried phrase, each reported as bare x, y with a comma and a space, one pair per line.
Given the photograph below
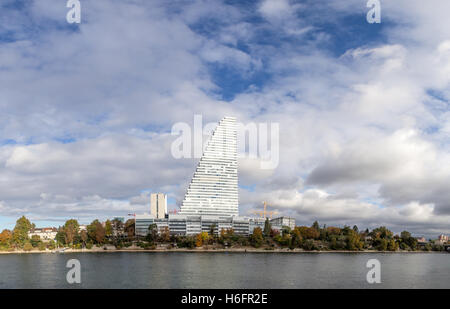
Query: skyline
363, 108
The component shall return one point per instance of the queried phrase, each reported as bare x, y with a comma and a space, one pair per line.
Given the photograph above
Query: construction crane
264, 213
174, 211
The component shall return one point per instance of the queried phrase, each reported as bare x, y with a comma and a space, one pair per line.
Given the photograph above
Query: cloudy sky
364, 113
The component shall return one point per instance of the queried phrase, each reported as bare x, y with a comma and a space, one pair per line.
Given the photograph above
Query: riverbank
202, 250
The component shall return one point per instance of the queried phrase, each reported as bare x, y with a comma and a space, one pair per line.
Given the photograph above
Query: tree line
120, 235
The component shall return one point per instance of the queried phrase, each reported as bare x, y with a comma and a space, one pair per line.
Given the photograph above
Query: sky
363, 109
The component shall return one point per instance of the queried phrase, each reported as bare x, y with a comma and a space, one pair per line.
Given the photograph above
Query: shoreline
200, 250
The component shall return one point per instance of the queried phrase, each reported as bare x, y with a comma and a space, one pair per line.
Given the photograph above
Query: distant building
158, 205
284, 221
421, 239
45, 233
188, 225
443, 238
213, 190
82, 227
141, 224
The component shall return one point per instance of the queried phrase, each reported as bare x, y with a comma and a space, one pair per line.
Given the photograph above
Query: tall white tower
158, 205
214, 187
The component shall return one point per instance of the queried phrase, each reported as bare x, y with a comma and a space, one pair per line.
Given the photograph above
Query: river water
225, 270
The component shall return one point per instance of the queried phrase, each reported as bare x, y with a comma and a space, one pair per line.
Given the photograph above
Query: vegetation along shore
114, 236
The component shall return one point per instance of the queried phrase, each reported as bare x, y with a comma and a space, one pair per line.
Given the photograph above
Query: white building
158, 205
45, 234
284, 221
213, 190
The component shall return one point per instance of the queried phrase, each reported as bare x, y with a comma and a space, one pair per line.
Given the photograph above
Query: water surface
225, 270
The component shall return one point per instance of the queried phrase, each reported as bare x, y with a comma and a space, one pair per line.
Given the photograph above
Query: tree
61, 236
198, 240
51, 245
6, 237
20, 232
296, 238
308, 232
212, 230
129, 228
165, 234
96, 232
71, 230
152, 234
27, 246
35, 240
267, 227
316, 226
382, 232
405, 235
108, 228
42, 246
355, 228
84, 237
354, 241
117, 227
256, 238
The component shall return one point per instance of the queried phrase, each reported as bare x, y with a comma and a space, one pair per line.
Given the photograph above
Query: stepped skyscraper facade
213, 190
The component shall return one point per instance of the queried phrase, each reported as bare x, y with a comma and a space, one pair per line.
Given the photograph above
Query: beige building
158, 205
45, 234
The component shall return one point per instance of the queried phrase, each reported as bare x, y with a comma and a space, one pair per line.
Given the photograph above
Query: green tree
152, 234
51, 245
35, 240
71, 231
267, 228
42, 246
108, 228
20, 232
316, 226
61, 236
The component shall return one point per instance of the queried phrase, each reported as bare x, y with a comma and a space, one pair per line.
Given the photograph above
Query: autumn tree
129, 228
70, 230
256, 238
96, 232
198, 240
165, 234
6, 237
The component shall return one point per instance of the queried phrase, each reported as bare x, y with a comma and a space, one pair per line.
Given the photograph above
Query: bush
27, 246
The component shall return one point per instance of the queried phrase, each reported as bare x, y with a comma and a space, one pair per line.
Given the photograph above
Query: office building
213, 190
284, 221
158, 205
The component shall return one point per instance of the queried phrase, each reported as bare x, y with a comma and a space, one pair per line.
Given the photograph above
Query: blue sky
363, 108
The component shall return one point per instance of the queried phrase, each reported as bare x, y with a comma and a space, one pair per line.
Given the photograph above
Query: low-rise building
45, 233
284, 221
443, 238
189, 225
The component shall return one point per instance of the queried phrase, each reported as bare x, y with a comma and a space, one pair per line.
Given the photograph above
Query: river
225, 270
